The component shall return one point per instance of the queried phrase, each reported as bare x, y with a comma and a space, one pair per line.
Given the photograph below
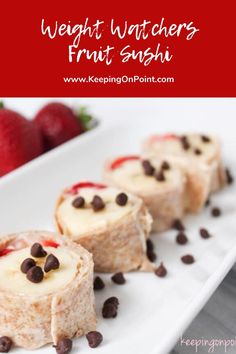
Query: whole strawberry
20, 141
58, 124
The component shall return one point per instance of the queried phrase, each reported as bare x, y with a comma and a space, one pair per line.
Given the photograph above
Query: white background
199, 113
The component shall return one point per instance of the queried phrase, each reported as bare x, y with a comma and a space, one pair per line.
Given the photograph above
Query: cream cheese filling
12, 280
131, 177
84, 220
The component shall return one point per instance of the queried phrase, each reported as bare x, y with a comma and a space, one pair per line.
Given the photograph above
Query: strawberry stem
1, 104
86, 119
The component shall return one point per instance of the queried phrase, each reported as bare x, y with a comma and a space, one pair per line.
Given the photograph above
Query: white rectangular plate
153, 312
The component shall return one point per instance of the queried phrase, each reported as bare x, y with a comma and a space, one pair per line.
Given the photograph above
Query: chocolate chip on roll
37, 250
35, 274
97, 203
122, 199
78, 202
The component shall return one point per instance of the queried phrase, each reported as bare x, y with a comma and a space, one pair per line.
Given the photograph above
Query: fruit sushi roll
109, 223
46, 289
199, 156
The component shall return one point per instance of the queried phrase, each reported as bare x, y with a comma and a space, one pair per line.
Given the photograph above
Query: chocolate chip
78, 202
98, 284
165, 165
122, 199
94, 339
151, 255
205, 138
229, 176
35, 274
208, 202
5, 344
109, 311
197, 151
37, 251
181, 238
63, 346
178, 225
185, 143
150, 245
27, 264
215, 212
112, 300
188, 259
148, 168
51, 263
118, 278
204, 233
110, 307
161, 271
97, 203
160, 176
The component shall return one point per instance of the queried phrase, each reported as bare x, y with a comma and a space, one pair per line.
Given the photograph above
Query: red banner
117, 49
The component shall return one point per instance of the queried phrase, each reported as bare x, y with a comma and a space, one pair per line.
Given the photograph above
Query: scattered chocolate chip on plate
5, 344
110, 307
178, 225
187, 259
94, 339
181, 238
204, 233
63, 346
229, 176
215, 212
161, 271
118, 278
151, 255
98, 283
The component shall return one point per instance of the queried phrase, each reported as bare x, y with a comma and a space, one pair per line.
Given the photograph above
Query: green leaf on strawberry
87, 120
1, 104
